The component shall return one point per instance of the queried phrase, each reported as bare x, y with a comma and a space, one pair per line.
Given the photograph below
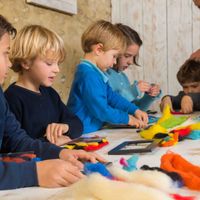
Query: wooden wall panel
154, 34
179, 31
195, 28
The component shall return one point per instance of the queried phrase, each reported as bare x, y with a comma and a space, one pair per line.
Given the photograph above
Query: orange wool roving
190, 173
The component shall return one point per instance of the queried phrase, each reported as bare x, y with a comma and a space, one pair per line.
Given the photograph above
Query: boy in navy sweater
36, 54
91, 98
47, 173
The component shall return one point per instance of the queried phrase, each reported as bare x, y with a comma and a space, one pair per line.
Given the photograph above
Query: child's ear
98, 48
25, 65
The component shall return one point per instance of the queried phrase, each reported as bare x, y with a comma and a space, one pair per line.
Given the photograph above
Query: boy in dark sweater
36, 54
47, 173
187, 100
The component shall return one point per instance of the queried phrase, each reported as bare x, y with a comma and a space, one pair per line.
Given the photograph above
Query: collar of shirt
103, 75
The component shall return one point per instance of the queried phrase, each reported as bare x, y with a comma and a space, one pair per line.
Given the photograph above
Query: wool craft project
138, 185
161, 128
190, 173
87, 143
129, 164
131, 186
177, 179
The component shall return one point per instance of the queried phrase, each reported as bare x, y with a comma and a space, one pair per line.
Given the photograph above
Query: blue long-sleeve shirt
14, 139
94, 102
35, 111
119, 82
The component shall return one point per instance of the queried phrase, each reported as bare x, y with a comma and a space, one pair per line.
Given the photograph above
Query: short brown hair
6, 27
189, 72
33, 41
105, 33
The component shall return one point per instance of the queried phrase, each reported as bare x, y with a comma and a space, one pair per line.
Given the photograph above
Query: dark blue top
15, 139
176, 100
36, 110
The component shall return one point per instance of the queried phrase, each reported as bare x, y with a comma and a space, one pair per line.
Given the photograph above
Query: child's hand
186, 104
61, 140
144, 86
166, 101
136, 122
154, 90
57, 173
74, 156
142, 116
55, 130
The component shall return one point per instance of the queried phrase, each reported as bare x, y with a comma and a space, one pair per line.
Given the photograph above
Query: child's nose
56, 68
130, 61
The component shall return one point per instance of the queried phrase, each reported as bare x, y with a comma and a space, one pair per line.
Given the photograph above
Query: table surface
189, 149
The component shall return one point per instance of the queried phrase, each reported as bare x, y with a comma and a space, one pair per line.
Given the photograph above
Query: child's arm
145, 102
74, 123
75, 126
173, 101
186, 104
103, 103
56, 133
136, 122
166, 100
190, 102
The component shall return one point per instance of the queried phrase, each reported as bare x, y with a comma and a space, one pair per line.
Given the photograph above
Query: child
187, 100
91, 98
47, 173
140, 92
35, 56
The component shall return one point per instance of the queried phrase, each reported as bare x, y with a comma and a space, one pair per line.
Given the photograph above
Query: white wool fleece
149, 178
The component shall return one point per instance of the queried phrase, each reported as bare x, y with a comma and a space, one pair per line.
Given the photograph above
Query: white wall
170, 30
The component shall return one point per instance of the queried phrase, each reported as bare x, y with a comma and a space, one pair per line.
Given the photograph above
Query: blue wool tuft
100, 168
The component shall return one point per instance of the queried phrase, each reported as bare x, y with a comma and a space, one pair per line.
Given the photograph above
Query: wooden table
189, 149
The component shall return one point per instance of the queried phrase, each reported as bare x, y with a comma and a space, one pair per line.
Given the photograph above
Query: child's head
133, 42
197, 3
103, 41
37, 51
6, 29
189, 76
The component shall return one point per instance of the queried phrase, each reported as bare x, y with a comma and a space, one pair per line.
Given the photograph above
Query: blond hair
105, 33
35, 41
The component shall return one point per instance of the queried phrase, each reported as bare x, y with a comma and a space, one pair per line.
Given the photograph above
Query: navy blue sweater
176, 100
36, 110
14, 139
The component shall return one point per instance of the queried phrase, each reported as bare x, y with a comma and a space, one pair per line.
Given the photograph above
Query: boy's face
5, 63
193, 87
107, 59
127, 58
42, 71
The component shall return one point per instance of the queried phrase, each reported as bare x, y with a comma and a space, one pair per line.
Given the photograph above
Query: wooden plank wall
170, 30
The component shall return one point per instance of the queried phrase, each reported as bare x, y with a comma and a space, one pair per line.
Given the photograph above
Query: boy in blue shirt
91, 98
53, 172
140, 92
